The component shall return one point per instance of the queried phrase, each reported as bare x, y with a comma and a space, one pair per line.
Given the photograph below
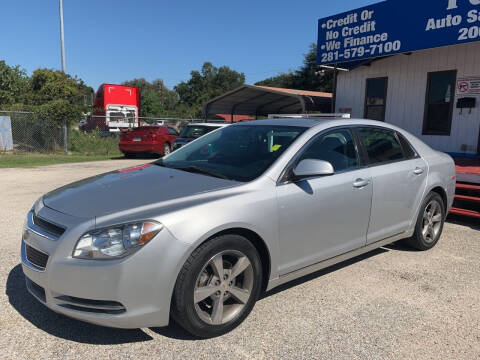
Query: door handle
418, 171
360, 183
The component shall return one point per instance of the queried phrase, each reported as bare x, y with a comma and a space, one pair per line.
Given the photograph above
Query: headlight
116, 241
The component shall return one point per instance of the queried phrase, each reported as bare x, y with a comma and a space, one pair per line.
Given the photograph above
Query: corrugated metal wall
407, 83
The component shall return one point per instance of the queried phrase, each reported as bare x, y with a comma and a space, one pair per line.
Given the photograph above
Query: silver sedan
198, 235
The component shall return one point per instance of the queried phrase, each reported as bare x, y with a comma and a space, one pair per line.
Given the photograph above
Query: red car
153, 139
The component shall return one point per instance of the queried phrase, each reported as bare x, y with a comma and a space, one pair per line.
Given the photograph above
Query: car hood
128, 189
182, 140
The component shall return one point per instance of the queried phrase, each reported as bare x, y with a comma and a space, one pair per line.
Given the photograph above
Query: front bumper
133, 292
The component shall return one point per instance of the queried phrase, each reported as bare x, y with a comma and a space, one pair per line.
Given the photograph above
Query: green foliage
13, 82
93, 144
156, 99
58, 112
53, 96
50, 85
305, 78
207, 84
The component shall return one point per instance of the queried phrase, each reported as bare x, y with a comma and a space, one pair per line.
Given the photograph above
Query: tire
166, 149
129, 155
429, 225
203, 316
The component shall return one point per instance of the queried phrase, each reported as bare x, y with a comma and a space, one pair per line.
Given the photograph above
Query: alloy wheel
223, 287
432, 221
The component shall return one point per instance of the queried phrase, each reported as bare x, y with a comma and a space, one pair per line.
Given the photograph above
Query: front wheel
429, 225
218, 286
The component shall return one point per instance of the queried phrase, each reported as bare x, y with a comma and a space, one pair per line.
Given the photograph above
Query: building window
439, 103
376, 98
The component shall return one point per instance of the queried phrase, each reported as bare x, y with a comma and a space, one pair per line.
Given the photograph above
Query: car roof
207, 124
310, 123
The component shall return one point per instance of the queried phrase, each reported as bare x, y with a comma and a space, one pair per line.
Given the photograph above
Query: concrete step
471, 187
472, 199
464, 212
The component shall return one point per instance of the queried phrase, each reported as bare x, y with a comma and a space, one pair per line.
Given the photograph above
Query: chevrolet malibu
198, 235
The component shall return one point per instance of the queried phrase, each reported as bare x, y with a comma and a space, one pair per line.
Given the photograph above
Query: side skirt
332, 261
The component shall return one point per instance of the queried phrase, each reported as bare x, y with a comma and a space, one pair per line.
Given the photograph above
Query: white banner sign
468, 86
6, 141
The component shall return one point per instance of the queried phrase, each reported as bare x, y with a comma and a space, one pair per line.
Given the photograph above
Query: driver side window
337, 147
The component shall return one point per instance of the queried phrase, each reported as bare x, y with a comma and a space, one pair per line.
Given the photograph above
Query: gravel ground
392, 303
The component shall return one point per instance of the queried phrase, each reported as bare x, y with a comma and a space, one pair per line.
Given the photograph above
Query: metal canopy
262, 100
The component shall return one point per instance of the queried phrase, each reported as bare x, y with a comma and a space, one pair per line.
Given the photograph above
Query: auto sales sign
396, 26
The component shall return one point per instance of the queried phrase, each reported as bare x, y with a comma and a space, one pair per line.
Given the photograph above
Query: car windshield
195, 131
237, 152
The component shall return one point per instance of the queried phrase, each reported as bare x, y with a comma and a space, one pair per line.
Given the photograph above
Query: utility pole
62, 37
62, 46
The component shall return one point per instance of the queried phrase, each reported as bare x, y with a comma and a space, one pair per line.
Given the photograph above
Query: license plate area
137, 139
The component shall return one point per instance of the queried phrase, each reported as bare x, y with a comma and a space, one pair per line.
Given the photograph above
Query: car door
323, 217
399, 180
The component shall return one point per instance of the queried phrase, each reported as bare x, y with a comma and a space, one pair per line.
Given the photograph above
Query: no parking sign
468, 86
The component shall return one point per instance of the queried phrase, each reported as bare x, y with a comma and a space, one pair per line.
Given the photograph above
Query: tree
48, 85
210, 82
156, 100
304, 78
13, 84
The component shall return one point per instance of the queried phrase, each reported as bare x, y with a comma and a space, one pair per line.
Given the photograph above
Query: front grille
92, 306
36, 257
48, 226
35, 289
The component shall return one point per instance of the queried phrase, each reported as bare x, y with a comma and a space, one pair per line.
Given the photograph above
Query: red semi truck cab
115, 108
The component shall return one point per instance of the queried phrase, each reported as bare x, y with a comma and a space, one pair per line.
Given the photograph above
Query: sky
111, 41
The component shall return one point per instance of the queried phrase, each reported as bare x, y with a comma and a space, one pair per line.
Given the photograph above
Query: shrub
93, 143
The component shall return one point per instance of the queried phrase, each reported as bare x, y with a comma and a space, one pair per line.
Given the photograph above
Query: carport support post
334, 89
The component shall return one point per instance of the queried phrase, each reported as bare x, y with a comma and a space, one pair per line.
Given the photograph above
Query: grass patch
28, 160
84, 147
93, 143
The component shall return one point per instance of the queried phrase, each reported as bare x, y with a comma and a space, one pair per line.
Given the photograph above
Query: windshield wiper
199, 170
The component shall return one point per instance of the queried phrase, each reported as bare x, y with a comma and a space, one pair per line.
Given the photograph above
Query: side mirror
313, 168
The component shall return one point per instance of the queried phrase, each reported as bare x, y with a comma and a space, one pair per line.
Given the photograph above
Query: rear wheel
430, 222
218, 286
129, 155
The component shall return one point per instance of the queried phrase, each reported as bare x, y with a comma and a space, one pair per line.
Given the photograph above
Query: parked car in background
154, 139
191, 132
82, 125
197, 236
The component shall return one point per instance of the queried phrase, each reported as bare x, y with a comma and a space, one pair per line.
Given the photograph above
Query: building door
376, 98
439, 103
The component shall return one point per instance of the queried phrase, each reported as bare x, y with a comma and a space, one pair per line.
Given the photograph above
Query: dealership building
412, 64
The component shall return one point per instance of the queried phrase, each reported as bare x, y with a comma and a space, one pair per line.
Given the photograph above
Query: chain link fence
31, 134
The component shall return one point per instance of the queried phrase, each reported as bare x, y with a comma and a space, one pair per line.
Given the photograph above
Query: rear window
408, 149
381, 145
